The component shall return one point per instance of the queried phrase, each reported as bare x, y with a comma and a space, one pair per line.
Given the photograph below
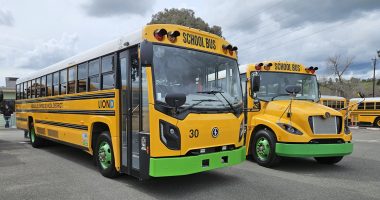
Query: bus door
133, 105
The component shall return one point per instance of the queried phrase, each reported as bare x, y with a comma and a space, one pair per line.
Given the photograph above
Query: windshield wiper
279, 95
214, 92
195, 104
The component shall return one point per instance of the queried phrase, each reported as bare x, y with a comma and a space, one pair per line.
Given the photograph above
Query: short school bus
365, 111
335, 102
164, 101
284, 118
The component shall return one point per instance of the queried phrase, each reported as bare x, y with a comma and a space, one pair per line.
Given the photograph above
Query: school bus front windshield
273, 84
210, 82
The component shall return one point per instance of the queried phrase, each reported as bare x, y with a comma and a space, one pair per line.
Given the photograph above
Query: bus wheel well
376, 121
257, 128
97, 129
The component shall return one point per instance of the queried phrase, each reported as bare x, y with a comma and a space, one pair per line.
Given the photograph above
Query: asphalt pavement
62, 172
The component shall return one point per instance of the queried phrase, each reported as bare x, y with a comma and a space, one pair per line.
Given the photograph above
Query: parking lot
61, 172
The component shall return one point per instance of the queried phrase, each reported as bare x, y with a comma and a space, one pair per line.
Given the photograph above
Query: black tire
377, 122
109, 171
271, 159
35, 141
328, 160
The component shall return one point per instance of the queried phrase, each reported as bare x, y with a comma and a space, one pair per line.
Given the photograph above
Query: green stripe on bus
176, 166
313, 150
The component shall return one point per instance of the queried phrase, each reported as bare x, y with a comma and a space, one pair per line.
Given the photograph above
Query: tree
184, 17
338, 66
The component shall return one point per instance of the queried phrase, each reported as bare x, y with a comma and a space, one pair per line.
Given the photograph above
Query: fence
12, 121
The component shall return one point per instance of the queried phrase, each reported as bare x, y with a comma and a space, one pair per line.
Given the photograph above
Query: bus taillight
159, 34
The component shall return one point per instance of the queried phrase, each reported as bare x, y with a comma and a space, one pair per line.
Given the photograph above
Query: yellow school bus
284, 118
365, 111
334, 102
164, 101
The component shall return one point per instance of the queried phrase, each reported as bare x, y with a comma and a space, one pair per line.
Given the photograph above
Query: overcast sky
35, 34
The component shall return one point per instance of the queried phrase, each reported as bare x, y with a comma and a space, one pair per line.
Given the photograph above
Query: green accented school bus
365, 112
164, 101
284, 118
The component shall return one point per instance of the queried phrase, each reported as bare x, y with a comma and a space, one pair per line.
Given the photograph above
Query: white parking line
367, 141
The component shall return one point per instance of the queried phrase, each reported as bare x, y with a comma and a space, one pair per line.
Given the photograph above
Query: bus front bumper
176, 166
313, 150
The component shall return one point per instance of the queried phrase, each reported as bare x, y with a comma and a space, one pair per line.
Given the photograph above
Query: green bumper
177, 166
313, 150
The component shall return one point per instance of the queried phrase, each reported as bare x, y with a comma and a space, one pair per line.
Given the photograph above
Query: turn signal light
172, 36
311, 69
229, 48
258, 66
159, 34
267, 66
226, 47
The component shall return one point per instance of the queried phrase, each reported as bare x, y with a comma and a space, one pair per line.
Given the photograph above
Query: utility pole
374, 73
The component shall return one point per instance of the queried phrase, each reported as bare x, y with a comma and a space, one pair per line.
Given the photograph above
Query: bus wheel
34, 139
328, 160
377, 122
263, 148
104, 156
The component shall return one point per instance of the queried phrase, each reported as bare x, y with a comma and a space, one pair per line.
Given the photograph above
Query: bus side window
28, 90
93, 73
63, 81
378, 105
49, 83
369, 105
43, 86
82, 77
361, 106
37, 87
23, 90
71, 80
55, 84
108, 78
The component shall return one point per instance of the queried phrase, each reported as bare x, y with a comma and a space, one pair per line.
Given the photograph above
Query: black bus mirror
146, 53
361, 95
175, 100
293, 89
255, 83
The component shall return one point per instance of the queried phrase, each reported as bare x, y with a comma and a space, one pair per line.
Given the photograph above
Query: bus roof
100, 50
279, 66
188, 37
332, 97
366, 99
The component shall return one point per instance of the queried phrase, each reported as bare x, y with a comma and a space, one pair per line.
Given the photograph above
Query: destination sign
199, 41
287, 67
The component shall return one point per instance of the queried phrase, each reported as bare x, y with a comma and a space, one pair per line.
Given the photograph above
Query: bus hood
299, 108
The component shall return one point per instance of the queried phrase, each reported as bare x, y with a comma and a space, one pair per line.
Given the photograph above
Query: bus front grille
320, 125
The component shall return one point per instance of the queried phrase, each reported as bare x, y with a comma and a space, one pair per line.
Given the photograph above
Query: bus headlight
170, 135
241, 131
289, 129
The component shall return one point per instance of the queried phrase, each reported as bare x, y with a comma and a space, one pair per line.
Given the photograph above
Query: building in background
9, 95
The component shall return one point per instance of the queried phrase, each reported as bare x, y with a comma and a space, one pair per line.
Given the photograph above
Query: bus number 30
194, 133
